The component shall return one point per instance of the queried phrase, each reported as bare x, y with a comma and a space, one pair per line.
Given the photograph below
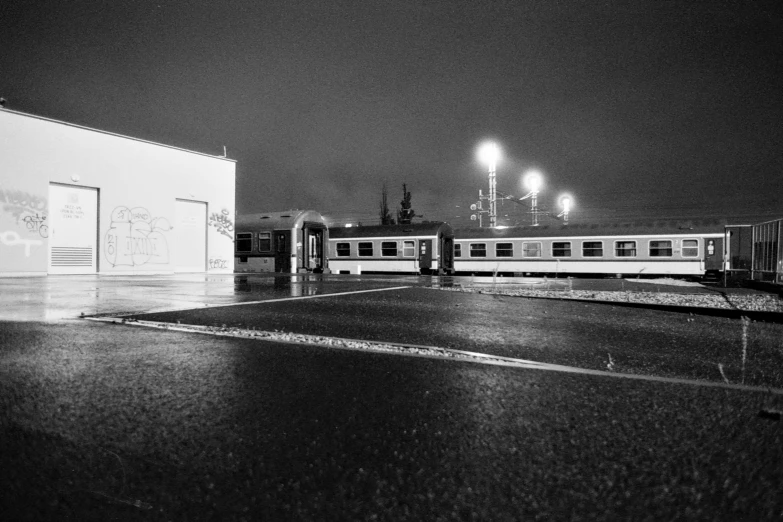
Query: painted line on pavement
311, 296
119, 315
431, 352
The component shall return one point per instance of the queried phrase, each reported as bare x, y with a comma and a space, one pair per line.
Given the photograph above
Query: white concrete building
75, 200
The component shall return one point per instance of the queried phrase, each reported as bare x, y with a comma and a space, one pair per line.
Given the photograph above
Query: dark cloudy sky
638, 109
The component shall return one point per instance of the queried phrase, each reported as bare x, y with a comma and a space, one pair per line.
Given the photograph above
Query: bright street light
565, 202
533, 181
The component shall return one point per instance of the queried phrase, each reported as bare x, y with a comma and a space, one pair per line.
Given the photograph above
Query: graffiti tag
218, 263
222, 223
11, 238
135, 238
35, 223
17, 202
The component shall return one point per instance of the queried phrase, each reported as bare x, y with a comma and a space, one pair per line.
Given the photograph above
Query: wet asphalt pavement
118, 422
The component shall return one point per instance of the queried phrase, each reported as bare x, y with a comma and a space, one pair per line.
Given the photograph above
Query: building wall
141, 187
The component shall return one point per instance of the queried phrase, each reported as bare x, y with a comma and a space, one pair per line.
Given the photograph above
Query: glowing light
489, 154
565, 202
533, 180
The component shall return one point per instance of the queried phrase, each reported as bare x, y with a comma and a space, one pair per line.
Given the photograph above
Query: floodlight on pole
489, 154
533, 181
565, 202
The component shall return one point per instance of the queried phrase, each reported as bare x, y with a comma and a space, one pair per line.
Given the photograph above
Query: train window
531, 249
593, 249
457, 250
264, 241
343, 249
244, 242
625, 248
365, 249
561, 249
408, 248
690, 248
661, 248
504, 250
478, 250
389, 248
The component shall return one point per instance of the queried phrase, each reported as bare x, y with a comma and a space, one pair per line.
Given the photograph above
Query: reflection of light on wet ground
57, 298
288, 286
489, 281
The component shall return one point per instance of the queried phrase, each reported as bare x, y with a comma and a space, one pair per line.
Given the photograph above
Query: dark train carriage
293, 241
418, 248
693, 248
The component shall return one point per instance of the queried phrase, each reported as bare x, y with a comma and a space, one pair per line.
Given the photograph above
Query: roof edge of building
115, 134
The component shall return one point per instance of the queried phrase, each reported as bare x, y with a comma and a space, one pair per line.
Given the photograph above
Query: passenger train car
694, 248
293, 241
299, 241
419, 248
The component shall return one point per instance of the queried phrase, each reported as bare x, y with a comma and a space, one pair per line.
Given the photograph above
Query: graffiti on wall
11, 238
28, 209
35, 223
18, 202
135, 238
218, 263
222, 223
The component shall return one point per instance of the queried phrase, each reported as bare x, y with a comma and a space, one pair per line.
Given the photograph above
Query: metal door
447, 253
713, 254
190, 236
73, 234
314, 249
283, 251
425, 255
737, 248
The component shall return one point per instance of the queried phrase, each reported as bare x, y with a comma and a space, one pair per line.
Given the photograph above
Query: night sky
638, 109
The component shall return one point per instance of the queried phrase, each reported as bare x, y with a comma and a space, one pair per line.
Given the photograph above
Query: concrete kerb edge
410, 351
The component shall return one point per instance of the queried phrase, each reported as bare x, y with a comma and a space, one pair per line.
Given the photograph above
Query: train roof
413, 230
285, 220
638, 228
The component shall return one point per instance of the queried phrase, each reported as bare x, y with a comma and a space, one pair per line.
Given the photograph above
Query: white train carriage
643, 249
292, 241
419, 248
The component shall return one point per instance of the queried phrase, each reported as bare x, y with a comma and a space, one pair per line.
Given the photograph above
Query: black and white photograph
391, 260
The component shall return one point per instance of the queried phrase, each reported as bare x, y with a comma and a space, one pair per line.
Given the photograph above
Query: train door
713, 254
283, 251
447, 254
314, 249
738, 251
425, 255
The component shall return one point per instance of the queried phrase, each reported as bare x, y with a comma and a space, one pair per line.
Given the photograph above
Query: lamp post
489, 153
533, 183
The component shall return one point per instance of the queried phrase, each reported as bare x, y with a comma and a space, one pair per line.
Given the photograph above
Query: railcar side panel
419, 248
632, 254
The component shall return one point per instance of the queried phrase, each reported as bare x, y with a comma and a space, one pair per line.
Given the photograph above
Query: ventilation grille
71, 256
